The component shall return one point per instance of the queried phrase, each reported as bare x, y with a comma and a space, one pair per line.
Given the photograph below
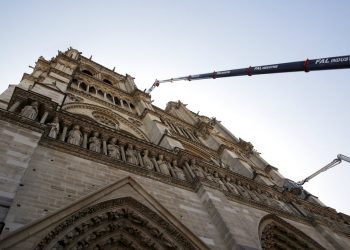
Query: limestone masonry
87, 162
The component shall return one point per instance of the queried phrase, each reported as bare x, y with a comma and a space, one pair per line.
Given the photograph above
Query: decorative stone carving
131, 155
242, 190
231, 186
105, 120
111, 224
208, 174
278, 234
222, 164
204, 128
163, 166
113, 149
30, 111
55, 128
197, 170
245, 147
147, 162
178, 171
75, 137
95, 143
217, 179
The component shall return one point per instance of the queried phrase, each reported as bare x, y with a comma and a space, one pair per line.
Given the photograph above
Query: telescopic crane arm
335, 162
340, 62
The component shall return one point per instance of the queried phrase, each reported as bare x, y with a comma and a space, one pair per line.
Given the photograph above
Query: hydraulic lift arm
297, 188
335, 162
340, 62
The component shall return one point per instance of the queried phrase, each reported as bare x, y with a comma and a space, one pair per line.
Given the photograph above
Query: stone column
43, 118
85, 137
104, 144
64, 131
156, 167
171, 169
129, 107
188, 168
122, 151
140, 158
15, 106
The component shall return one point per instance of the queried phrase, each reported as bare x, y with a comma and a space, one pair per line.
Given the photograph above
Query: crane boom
328, 63
297, 187
335, 162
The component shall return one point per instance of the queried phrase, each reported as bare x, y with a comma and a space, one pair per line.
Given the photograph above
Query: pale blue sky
299, 122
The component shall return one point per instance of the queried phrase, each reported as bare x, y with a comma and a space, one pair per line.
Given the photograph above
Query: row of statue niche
238, 188
75, 137
151, 163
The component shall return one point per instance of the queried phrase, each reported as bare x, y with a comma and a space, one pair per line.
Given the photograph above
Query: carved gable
106, 220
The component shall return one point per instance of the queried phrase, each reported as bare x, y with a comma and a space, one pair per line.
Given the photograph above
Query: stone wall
17, 145
55, 180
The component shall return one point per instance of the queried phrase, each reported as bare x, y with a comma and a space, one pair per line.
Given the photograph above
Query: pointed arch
122, 222
275, 233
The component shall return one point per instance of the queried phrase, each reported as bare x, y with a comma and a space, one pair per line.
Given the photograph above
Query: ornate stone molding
105, 103
108, 113
275, 233
122, 221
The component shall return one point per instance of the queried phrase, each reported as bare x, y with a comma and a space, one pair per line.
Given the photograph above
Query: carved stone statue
30, 111
147, 162
197, 170
208, 174
217, 179
74, 136
131, 156
178, 171
55, 128
95, 143
252, 193
113, 149
231, 186
163, 166
242, 190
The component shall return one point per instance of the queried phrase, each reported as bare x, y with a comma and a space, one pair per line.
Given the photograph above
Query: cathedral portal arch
122, 223
275, 233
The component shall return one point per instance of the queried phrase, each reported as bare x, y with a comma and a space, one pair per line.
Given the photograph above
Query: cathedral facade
88, 162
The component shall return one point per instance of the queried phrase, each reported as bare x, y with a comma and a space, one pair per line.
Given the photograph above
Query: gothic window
125, 103
275, 233
83, 86
87, 72
116, 101
109, 98
107, 81
100, 93
92, 90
